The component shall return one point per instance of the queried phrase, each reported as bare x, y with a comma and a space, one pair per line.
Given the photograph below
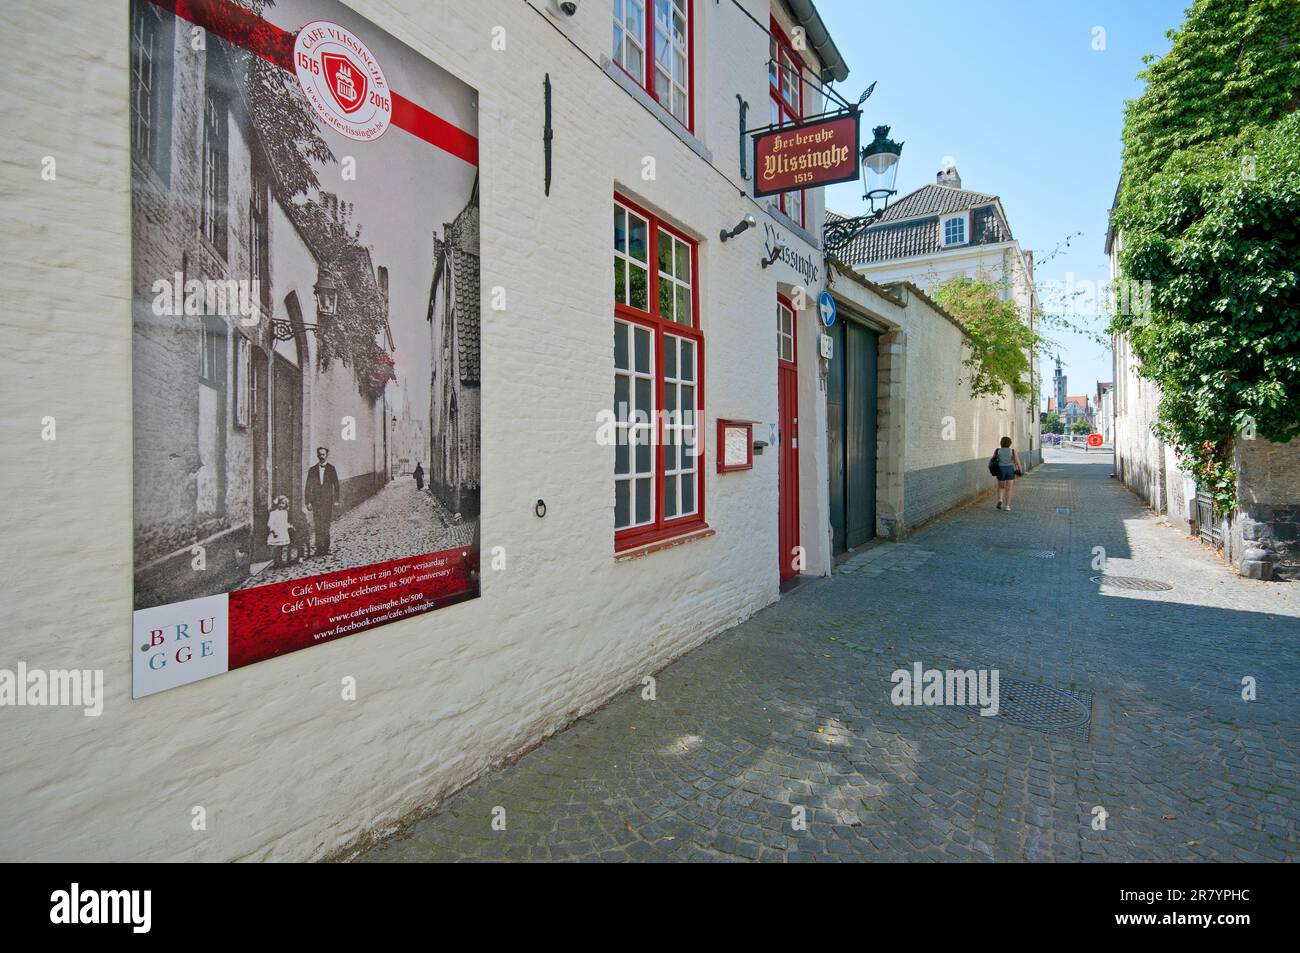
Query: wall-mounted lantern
327, 295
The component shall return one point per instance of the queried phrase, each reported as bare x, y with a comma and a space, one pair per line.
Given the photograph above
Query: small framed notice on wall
735, 445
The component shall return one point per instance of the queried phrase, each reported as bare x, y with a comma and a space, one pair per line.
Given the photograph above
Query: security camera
567, 7
746, 223
778, 249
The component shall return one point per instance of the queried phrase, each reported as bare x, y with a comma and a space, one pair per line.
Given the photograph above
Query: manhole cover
1043, 708
1132, 582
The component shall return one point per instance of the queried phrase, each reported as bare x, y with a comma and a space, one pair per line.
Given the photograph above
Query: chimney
949, 177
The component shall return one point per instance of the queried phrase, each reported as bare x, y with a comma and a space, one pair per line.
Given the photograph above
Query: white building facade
606, 567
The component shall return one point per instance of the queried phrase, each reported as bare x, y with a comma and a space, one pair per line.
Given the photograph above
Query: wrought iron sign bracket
547, 132
744, 115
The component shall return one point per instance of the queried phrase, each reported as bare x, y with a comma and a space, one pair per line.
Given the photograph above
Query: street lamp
880, 168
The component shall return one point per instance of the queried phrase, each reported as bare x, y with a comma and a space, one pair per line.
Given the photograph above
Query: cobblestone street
792, 709
397, 521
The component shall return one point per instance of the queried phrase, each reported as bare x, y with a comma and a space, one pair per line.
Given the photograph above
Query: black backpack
994, 469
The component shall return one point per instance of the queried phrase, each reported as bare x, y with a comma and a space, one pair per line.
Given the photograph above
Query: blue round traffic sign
826, 308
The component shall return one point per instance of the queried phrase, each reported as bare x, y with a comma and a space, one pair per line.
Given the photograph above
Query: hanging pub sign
806, 156
306, 333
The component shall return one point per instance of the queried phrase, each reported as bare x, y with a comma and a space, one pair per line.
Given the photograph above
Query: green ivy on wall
1209, 214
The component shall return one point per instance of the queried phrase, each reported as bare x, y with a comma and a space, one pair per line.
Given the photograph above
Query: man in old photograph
321, 495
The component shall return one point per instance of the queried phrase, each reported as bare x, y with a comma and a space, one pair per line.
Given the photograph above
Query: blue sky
1015, 92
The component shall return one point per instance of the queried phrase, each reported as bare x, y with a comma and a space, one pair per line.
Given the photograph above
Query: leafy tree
1209, 215
1081, 427
1053, 423
1001, 342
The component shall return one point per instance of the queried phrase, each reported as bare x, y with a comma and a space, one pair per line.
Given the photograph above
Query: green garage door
851, 406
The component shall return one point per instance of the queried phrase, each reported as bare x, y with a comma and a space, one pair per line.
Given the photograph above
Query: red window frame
647, 81
788, 113
661, 528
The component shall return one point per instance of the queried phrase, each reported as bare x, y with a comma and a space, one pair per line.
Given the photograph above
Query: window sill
647, 548
641, 95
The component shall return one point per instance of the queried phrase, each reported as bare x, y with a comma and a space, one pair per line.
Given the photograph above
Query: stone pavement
791, 710
396, 522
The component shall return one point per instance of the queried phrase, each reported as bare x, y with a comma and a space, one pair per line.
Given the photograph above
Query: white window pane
683, 304
644, 452
622, 504
620, 345
642, 350
637, 243
644, 500
632, 58
665, 252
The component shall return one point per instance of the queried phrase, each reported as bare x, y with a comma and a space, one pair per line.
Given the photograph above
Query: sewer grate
1132, 582
1057, 711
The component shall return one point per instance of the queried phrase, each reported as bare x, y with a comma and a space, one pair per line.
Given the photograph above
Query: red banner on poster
283, 617
806, 156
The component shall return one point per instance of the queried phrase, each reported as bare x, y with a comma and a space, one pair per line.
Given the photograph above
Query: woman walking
1008, 468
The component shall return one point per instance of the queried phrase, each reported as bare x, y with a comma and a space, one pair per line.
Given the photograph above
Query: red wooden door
787, 400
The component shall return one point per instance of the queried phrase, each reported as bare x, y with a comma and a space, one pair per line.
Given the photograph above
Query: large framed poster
305, 360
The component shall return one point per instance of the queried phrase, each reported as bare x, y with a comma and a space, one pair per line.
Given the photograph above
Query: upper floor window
954, 230
151, 38
216, 158
259, 242
656, 51
785, 90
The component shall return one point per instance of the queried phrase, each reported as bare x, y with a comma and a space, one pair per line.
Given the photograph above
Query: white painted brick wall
284, 768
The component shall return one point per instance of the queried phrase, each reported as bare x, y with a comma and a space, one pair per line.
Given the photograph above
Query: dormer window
953, 229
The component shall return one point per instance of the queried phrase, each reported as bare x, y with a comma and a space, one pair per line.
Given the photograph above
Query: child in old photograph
279, 530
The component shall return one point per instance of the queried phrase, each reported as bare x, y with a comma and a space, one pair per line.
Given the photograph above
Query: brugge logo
342, 81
